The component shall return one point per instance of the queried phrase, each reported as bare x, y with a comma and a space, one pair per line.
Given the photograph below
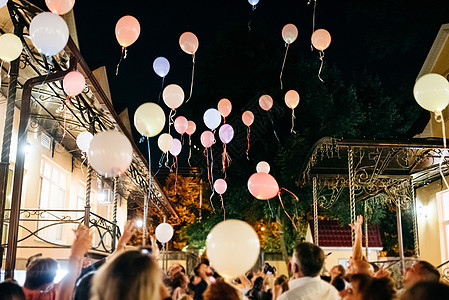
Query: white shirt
310, 288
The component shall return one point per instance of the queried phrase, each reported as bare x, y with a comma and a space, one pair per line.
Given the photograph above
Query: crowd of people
135, 274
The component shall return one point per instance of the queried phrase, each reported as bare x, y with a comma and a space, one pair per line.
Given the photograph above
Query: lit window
443, 208
52, 197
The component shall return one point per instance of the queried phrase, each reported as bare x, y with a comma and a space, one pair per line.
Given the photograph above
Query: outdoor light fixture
423, 211
139, 223
27, 148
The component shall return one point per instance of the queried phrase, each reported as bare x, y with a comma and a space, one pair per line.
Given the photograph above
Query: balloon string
439, 118
160, 92
82, 163
160, 163
294, 196
170, 119
1, 69
167, 161
248, 132
149, 169
251, 17
293, 122
176, 174
122, 56
313, 19
321, 66
226, 160
274, 130
126, 54
193, 74
269, 206
222, 206
9, 70
282, 204
190, 150
212, 164
283, 64
208, 177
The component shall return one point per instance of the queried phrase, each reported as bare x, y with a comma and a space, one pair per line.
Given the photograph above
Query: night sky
386, 38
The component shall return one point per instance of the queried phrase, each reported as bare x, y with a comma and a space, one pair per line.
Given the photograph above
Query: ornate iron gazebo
373, 170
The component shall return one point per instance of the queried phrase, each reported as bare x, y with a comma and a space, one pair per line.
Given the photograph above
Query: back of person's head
310, 258
427, 290
130, 275
10, 290
380, 289
339, 283
40, 272
428, 271
178, 280
258, 284
282, 281
82, 288
32, 258
220, 290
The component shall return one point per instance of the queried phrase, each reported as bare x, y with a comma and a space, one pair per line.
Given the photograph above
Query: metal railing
43, 224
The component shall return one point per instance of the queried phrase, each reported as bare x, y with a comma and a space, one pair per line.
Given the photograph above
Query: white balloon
253, 2
232, 247
83, 140
263, 167
3, 3
161, 66
164, 232
431, 91
149, 119
110, 153
212, 118
49, 33
165, 142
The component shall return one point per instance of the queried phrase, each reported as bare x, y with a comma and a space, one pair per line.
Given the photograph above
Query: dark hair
282, 280
32, 258
428, 271
374, 288
82, 288
339, 283
39, 272
10, 290
310, 258
381, 289
196, 270
220, 290
427, 291
177, 280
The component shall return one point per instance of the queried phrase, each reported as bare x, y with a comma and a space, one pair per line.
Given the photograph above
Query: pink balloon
207, 139
127, 31
188, 42
181, 124
226, 133
191, 127
220, 186
263, 186
321, 39
60, 7
176, 147
73, 83
224, 107
292, 99
248, 118
266, 102
289, 33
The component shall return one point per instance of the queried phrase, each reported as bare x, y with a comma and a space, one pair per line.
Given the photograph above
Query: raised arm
82, 243
357, 252
128, 231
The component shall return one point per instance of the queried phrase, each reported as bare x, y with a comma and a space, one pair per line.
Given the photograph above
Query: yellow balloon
165, 141
149, 119
432, 92
10, 47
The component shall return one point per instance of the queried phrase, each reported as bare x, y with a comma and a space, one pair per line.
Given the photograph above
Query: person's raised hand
83, 241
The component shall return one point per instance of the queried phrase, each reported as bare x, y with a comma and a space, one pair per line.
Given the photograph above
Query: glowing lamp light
27, 148
139, 223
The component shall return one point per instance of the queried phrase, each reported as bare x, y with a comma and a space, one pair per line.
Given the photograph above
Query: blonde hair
129, 275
